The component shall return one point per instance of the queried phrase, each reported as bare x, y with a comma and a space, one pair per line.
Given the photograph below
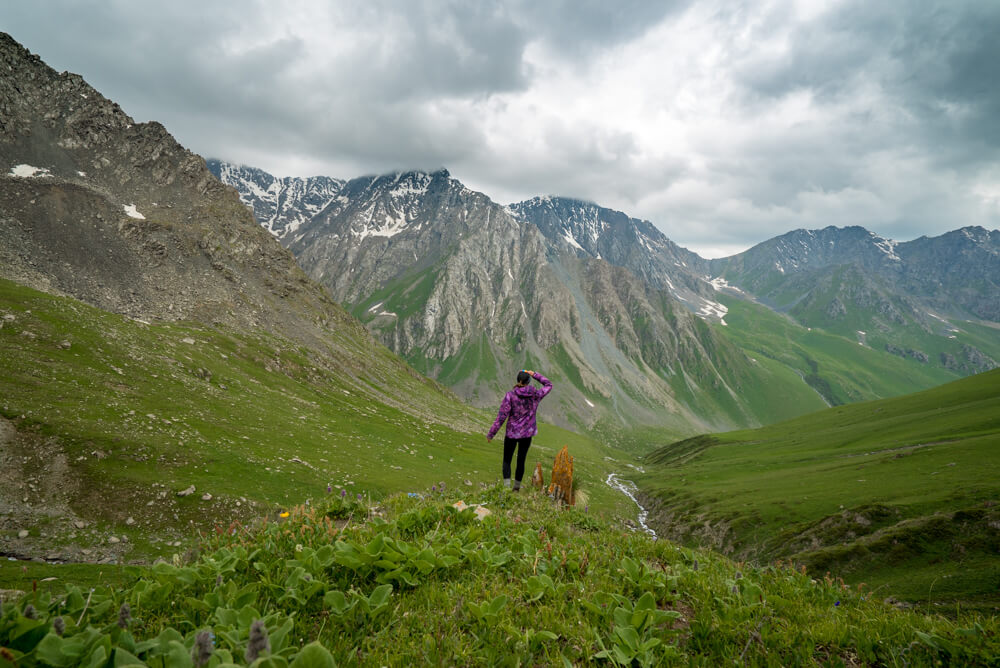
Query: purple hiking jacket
518, 408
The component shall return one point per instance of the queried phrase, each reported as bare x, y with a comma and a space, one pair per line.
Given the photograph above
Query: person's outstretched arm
501, 416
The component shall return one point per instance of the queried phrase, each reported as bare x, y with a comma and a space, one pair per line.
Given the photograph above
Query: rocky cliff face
118, 214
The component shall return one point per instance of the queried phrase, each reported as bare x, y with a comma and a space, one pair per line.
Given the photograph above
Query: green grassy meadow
142, 411
903, 492
414, 581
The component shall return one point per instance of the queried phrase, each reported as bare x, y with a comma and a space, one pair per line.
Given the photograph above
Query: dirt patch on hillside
37, 486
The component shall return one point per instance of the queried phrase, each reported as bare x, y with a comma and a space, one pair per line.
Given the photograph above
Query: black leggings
522, 445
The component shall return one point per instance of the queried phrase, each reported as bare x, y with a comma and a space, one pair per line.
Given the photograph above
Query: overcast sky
724, 122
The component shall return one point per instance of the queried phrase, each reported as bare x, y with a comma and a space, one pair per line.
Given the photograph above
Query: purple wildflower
258, 641
329, 488
124, 616
202, 650
343, 493
59, 626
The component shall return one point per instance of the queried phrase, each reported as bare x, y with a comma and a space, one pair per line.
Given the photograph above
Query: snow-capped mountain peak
281, 205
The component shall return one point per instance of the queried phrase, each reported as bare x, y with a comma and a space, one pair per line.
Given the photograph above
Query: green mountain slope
837, 367
103, 420
900, 492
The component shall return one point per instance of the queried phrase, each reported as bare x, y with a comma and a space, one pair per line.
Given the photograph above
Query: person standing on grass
518, 409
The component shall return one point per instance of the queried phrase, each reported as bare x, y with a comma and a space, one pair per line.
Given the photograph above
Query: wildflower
694, 566
203, 647
258, 641
29, 612
736, 590
298, 547
283, 514
329, 488
739, 575
434, 488
59, 626
359, 496
836, 604
124, 616
343, 493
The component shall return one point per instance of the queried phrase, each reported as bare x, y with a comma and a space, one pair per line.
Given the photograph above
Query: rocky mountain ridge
957, 273
432, 267
280, 205
469, 291
913, 299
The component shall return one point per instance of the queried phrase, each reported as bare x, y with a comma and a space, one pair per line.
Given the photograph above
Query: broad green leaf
336, 602
124, 658
52, 651
380, 596
313, 655
26, 634
628, 636
498, 604
645, 602
279, 636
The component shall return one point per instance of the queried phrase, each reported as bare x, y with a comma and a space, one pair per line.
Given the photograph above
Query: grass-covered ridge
104, 420
413, 581
902, 493
833, 364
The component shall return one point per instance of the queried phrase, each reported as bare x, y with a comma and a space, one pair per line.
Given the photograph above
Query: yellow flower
283, 514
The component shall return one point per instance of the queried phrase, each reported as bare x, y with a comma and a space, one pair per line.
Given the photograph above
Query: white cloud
724, 123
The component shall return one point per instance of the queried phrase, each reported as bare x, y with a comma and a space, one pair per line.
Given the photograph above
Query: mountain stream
629, 489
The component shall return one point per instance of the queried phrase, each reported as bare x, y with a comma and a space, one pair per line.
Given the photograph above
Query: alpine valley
231, 414
638, 331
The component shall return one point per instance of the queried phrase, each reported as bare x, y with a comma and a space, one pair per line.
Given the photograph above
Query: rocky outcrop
118, 214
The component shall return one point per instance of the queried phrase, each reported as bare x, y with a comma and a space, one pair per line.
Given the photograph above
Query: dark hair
523, 378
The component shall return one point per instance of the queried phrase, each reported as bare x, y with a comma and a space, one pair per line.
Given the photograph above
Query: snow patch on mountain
571, 240
721, 284
29, 172
133, 212
887, 246
710, 309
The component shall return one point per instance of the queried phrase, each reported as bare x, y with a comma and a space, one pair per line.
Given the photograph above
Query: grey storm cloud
722, 122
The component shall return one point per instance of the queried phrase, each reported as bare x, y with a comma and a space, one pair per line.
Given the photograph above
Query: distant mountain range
634, 329
469, 291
